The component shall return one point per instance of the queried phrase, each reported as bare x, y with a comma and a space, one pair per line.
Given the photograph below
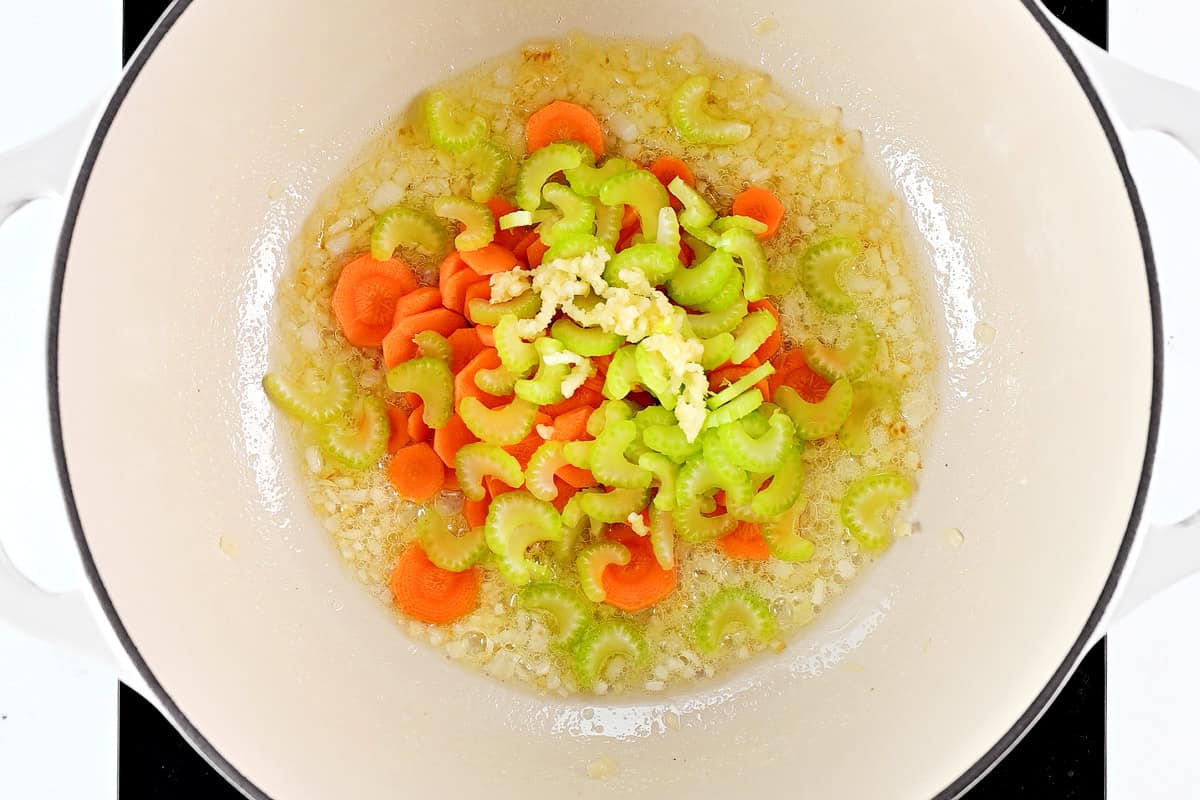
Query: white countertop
57, 711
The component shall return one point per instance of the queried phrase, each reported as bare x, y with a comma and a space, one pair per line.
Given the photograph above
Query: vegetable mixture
575, 370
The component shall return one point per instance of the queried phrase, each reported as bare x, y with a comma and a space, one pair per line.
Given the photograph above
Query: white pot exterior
283, 670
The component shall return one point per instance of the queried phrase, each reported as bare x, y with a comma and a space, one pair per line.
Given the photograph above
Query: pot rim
967, 779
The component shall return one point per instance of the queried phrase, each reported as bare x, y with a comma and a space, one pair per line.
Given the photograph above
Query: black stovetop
1061, 758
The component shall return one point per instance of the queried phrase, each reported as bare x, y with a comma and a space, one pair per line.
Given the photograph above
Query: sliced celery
448, 542
517, 355
868, 507
662, 537
742, 384
871, 399
478, 224
569, 612
362, 442
750, 334
735, 409
545, 387
474, 461
539, 474
316, 397
488, 164
608, 223
706, 326
403, 226
821, 419
694, 123
622, 374
748, 250
851, 361
723, 224
607, 640
717, 351
730, 608
820, 267
503, 425
786, 489
614, 506
591, 563
656, 261
694, 285
730, 295
697, 213
640, 189
664, 471
498, 381
586, 180
671, 441
764, 453
483, 312
449, 127
585, 341
539, 166
783, 537
608, 462
515, 522
578, 214
431, 379
432, 344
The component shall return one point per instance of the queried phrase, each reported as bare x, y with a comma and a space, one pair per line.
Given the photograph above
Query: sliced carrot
416, 472
629, 219
686, 254
441, 320
398, 344
451, 436
450, 264
464, 381
565, 492
425, 298
533, 255
667, 168
487, 336
464, 345
577, 476
364, 300
523, 450
450, 482
521, 248
454, 289
584, 396
418, 431
771, 346
564, 122
792, 370
571, 425
760, 204
642, 582
425, 591
475, 511
495, 487
510, 238
626, 237
727, 374
745, 543
481, 289
397, 428
490, 259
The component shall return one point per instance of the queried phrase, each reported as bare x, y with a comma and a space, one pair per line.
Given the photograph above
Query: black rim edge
969, 778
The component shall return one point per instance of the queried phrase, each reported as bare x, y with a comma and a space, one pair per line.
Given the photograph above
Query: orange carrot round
490, 259
464, 345
397, 428
576, 476
487, 336
425, 591
642, 582
450, 264
364, 300
451, 436
533, 254
416, 471
464, 380
667, 169
562, 122
454, 289
521, 248
450, 481
475, 511
792, 370
418, 431
572, 425
426, 298
760, 204
745, 543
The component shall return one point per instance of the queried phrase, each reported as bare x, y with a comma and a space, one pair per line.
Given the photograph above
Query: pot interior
298, 680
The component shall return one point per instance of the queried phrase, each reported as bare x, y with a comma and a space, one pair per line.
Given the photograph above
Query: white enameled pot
296, 684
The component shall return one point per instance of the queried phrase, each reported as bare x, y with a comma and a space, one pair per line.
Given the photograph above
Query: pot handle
40, 168
1140, 101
